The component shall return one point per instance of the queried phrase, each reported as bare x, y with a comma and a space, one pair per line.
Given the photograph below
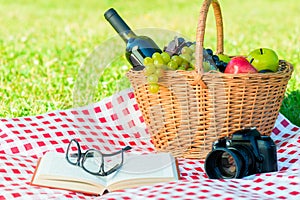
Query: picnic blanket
116, 122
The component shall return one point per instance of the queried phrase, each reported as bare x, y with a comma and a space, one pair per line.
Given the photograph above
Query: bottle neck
119, 24
127, 35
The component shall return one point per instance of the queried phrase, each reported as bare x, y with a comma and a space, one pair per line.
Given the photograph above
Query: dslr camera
245, 153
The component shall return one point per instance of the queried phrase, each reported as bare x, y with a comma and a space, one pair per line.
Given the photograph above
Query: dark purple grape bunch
221, 65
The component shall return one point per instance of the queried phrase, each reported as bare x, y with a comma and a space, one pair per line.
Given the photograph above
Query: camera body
247, 152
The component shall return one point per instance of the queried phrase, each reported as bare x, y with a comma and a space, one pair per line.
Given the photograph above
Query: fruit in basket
206, 66
185, 60
149, 69
166, 57
186, 57
153, 87
153, 78
174, 47
179, 54
187, 50
208, 60
264, 59
177, 59
239, 65
217, 61
224, 58
148, 61
153, 70
172, 65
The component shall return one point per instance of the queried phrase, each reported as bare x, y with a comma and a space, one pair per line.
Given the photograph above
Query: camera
245, 153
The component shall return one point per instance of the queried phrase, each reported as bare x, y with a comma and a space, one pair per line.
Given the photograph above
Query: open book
54, 171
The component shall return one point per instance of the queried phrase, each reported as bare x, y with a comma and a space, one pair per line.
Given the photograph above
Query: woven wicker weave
193, 109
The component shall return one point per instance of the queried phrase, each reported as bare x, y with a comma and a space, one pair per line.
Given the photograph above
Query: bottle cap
109, 13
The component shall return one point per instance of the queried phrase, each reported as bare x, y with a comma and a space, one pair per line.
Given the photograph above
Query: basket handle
201, 31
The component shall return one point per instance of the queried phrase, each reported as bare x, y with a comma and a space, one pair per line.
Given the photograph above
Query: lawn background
44, 43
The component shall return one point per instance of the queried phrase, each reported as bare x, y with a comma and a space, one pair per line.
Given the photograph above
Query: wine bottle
137, 47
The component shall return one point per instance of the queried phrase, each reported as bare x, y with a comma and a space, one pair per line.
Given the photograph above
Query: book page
54, 166
145, 168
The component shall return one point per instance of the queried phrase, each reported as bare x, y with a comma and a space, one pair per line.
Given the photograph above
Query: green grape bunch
178, 55
153, 69
154, 66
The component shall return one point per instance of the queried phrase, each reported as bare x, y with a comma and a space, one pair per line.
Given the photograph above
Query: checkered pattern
116, 122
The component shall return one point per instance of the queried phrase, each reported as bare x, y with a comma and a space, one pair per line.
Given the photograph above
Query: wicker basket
193, 109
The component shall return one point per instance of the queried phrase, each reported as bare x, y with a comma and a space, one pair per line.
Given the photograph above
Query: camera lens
225, 163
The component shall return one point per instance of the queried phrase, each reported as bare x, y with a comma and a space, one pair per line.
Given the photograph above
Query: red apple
239, 65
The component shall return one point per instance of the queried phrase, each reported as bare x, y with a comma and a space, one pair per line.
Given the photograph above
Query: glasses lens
73, 152
92, 161
227, 165
112, 162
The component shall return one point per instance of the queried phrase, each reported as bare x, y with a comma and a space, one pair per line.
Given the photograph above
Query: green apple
264, 59
224, 58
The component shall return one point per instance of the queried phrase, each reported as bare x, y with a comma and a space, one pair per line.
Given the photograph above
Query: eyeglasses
92, 160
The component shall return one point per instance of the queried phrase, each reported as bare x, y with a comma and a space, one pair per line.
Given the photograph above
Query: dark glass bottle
137, 47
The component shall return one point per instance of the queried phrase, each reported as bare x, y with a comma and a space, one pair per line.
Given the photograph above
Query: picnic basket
194, 108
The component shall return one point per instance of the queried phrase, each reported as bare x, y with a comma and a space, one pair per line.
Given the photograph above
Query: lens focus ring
223, 163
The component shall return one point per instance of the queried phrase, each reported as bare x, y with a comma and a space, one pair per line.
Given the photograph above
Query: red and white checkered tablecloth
115, 122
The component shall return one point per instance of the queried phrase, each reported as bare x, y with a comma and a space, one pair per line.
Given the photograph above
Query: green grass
44, 45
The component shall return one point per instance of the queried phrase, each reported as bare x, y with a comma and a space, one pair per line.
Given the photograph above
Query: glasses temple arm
117, 166
118, 152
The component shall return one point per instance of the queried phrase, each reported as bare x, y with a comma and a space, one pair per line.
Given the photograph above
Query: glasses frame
82, 156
